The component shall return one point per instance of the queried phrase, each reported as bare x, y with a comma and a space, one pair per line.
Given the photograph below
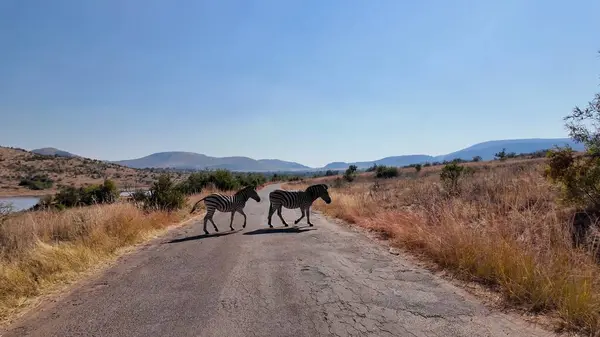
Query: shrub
350, 173
250, 179
100, 194
579, 177
37, 182
386, 172
163, 195
501, 155
331, 173
372, 168
450, 177
477, 159
418, 167
70, 196
224, 180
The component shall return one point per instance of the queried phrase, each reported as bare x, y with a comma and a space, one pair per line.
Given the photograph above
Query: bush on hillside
70, 196
385, 172
37, 182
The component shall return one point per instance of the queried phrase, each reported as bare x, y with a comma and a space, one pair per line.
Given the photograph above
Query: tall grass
43, 249
506, 230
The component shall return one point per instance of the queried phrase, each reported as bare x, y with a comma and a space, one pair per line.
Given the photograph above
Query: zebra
297, 199
227, 203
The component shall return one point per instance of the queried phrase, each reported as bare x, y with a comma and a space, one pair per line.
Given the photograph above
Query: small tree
477, 158
501, 155
579, 176
418, 167
350, 173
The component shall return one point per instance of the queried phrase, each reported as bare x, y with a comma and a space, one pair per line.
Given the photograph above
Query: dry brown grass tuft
506, 230
44, 249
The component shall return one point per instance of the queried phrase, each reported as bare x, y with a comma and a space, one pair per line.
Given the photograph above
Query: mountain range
191, 160
51, 151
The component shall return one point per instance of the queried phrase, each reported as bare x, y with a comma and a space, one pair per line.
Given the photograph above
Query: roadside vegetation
81, 228
525, 225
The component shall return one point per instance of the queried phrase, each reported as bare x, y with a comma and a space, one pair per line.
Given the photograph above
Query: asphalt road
328, 280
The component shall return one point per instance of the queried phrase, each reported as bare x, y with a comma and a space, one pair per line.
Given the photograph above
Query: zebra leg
296, 222
213, 223
241, 211
308, 216
280, 216
231, 222
271, 211
206, 217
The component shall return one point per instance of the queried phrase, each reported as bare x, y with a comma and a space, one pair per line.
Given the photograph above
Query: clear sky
312, 81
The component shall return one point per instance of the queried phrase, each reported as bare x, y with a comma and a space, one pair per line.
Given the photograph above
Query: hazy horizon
304, 81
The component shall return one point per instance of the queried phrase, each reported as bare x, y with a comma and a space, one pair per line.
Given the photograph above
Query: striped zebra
227, 203
297, 199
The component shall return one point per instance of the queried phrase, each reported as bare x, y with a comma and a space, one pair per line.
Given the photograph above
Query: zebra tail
196, 204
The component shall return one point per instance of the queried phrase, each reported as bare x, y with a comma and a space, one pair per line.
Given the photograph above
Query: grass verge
506, 229
40, 251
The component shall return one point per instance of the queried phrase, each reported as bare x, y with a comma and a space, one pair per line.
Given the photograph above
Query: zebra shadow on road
203, 236
290, 230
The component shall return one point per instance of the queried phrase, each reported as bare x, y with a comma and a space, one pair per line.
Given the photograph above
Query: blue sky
311, 81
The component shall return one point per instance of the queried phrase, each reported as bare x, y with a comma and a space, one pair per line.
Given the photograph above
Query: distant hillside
191, 160
17, 164
485, 150
51, 151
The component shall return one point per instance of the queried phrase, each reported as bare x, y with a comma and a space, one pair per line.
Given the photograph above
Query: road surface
328, 280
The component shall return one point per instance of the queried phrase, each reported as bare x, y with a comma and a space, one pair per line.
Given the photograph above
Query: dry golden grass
506, 230
15, 164
43, 250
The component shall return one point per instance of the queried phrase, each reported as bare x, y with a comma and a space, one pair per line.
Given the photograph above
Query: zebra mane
243, 190
316, 190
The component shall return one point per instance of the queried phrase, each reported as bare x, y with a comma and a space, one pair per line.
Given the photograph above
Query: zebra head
319, 190
249, 192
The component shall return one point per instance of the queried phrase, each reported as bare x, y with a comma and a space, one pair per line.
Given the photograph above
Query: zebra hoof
310, 224
205, 232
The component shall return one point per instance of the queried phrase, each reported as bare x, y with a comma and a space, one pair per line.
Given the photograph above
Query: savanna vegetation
525, 225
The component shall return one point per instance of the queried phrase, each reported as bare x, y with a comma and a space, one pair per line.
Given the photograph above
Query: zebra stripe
227, 203
297, 199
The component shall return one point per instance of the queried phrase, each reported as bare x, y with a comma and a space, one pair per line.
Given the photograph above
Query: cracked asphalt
328, 280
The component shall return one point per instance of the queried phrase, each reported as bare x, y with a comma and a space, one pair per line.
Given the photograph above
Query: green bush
70, 196
450, 177
383, 171
418, 167
224, 180
579, 176
164, 195
37, 182
350, 173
